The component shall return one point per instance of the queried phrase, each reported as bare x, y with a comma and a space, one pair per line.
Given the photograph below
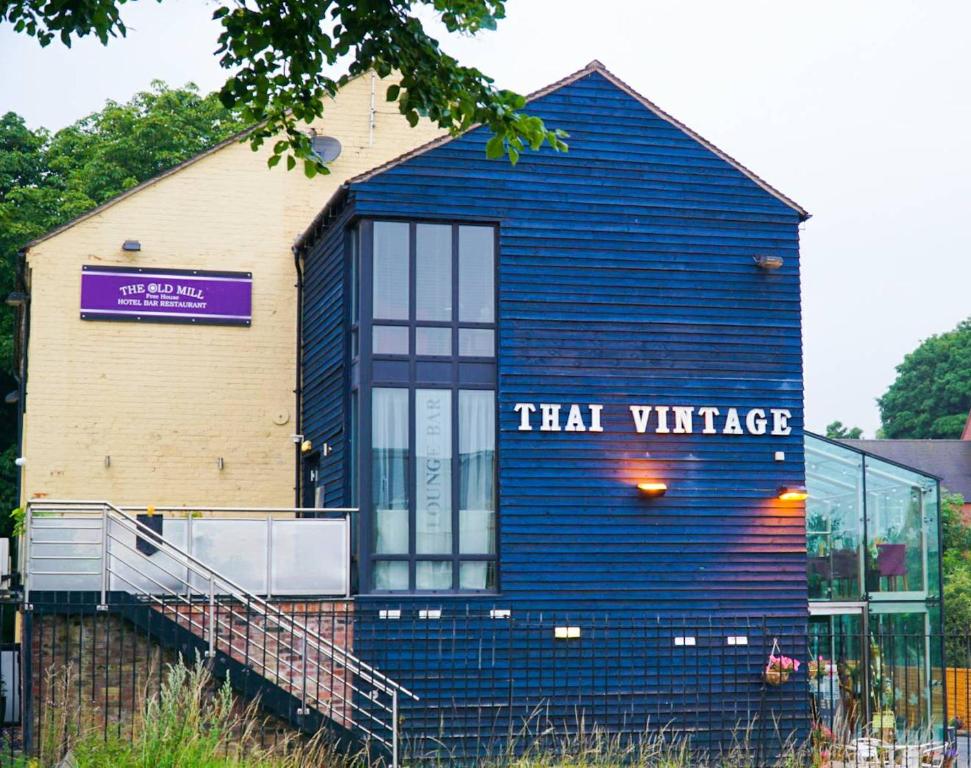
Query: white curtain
433, 471
477, 440
389, 469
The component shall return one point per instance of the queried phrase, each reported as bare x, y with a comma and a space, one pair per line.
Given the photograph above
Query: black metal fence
499, 684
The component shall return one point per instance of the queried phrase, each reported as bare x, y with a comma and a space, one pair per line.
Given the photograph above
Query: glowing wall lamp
652, 488
793, 493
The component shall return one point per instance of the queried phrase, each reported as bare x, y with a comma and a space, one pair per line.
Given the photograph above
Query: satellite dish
325, 148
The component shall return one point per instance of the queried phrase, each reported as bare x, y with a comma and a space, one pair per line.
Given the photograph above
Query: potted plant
778, 668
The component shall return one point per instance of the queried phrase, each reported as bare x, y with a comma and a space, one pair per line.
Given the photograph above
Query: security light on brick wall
768, 262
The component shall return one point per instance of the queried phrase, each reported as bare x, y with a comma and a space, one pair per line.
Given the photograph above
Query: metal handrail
301, 635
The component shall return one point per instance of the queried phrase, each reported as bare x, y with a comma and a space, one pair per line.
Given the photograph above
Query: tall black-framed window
428, 473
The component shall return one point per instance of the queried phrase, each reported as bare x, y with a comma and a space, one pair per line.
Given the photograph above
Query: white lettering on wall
683, 420
709, 414
574, 421
732, 425
659, 419
755, 421
550, 413
780, 421
595, 411
641, 414
524, 409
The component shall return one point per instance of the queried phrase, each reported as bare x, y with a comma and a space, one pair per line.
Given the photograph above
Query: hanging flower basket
779, 667
775, 676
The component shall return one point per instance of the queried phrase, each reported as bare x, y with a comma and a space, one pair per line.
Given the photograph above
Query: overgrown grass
188, 724
192, 724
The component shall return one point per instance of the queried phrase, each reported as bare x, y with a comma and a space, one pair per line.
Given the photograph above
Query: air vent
325, 148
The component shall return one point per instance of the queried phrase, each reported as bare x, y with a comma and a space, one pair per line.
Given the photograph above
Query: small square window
390, 340
433, 574
476, 342
433, 341
477, 575
390, 574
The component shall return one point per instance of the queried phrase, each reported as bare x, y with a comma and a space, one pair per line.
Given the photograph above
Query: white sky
859, 110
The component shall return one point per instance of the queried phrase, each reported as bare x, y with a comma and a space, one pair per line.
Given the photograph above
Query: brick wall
166, 402
94, 672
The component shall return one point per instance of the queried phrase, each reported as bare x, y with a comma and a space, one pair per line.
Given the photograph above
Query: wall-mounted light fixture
652, 488
220, 464
793, 493
768, 262
131, 246
16, 299
107, 462
306, 446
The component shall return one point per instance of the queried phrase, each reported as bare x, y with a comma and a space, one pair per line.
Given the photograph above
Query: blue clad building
563, 393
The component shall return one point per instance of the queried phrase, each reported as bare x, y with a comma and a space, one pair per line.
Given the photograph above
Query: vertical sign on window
433, 482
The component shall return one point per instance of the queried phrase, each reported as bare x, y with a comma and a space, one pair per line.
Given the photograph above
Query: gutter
298, 388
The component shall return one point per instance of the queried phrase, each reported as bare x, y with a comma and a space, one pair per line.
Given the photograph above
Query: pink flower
783, 663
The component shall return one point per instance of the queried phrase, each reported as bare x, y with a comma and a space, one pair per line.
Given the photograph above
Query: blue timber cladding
626, 277
323, 353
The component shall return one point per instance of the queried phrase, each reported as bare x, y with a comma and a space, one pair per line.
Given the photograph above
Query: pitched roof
593, 66
948, 459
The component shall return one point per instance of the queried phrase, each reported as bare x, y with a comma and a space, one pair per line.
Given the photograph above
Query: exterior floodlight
131, 245
793, 493
306, 446
652, 488
768, 262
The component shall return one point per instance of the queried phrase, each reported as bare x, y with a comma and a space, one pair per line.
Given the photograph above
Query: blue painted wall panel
625, 277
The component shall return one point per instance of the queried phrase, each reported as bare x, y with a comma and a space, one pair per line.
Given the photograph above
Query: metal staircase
106, 550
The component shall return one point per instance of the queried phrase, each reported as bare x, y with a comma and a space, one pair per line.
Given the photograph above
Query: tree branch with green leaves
278, 52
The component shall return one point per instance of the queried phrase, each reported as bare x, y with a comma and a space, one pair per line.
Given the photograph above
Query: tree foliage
48, 179
956, 575
931, 395
836, 431
278, 50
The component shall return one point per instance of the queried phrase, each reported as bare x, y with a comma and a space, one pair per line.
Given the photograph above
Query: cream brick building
176, 414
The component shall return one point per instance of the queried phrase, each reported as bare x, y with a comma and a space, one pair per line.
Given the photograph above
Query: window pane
390, 575
389, 468
355, 297
433, 341
900, 510
430, 574
477, 440
433, 471
433, 267
476, 342
477, 576
476, 274
390, 270
390, 340
352, 442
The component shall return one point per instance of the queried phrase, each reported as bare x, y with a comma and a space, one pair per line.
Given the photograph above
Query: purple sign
166, 295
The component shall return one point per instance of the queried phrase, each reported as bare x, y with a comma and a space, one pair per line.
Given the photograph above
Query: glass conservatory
875, 632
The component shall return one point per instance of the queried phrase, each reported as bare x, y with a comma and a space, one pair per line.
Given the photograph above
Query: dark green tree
277, 52
836, 431
931, 396
47, 180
